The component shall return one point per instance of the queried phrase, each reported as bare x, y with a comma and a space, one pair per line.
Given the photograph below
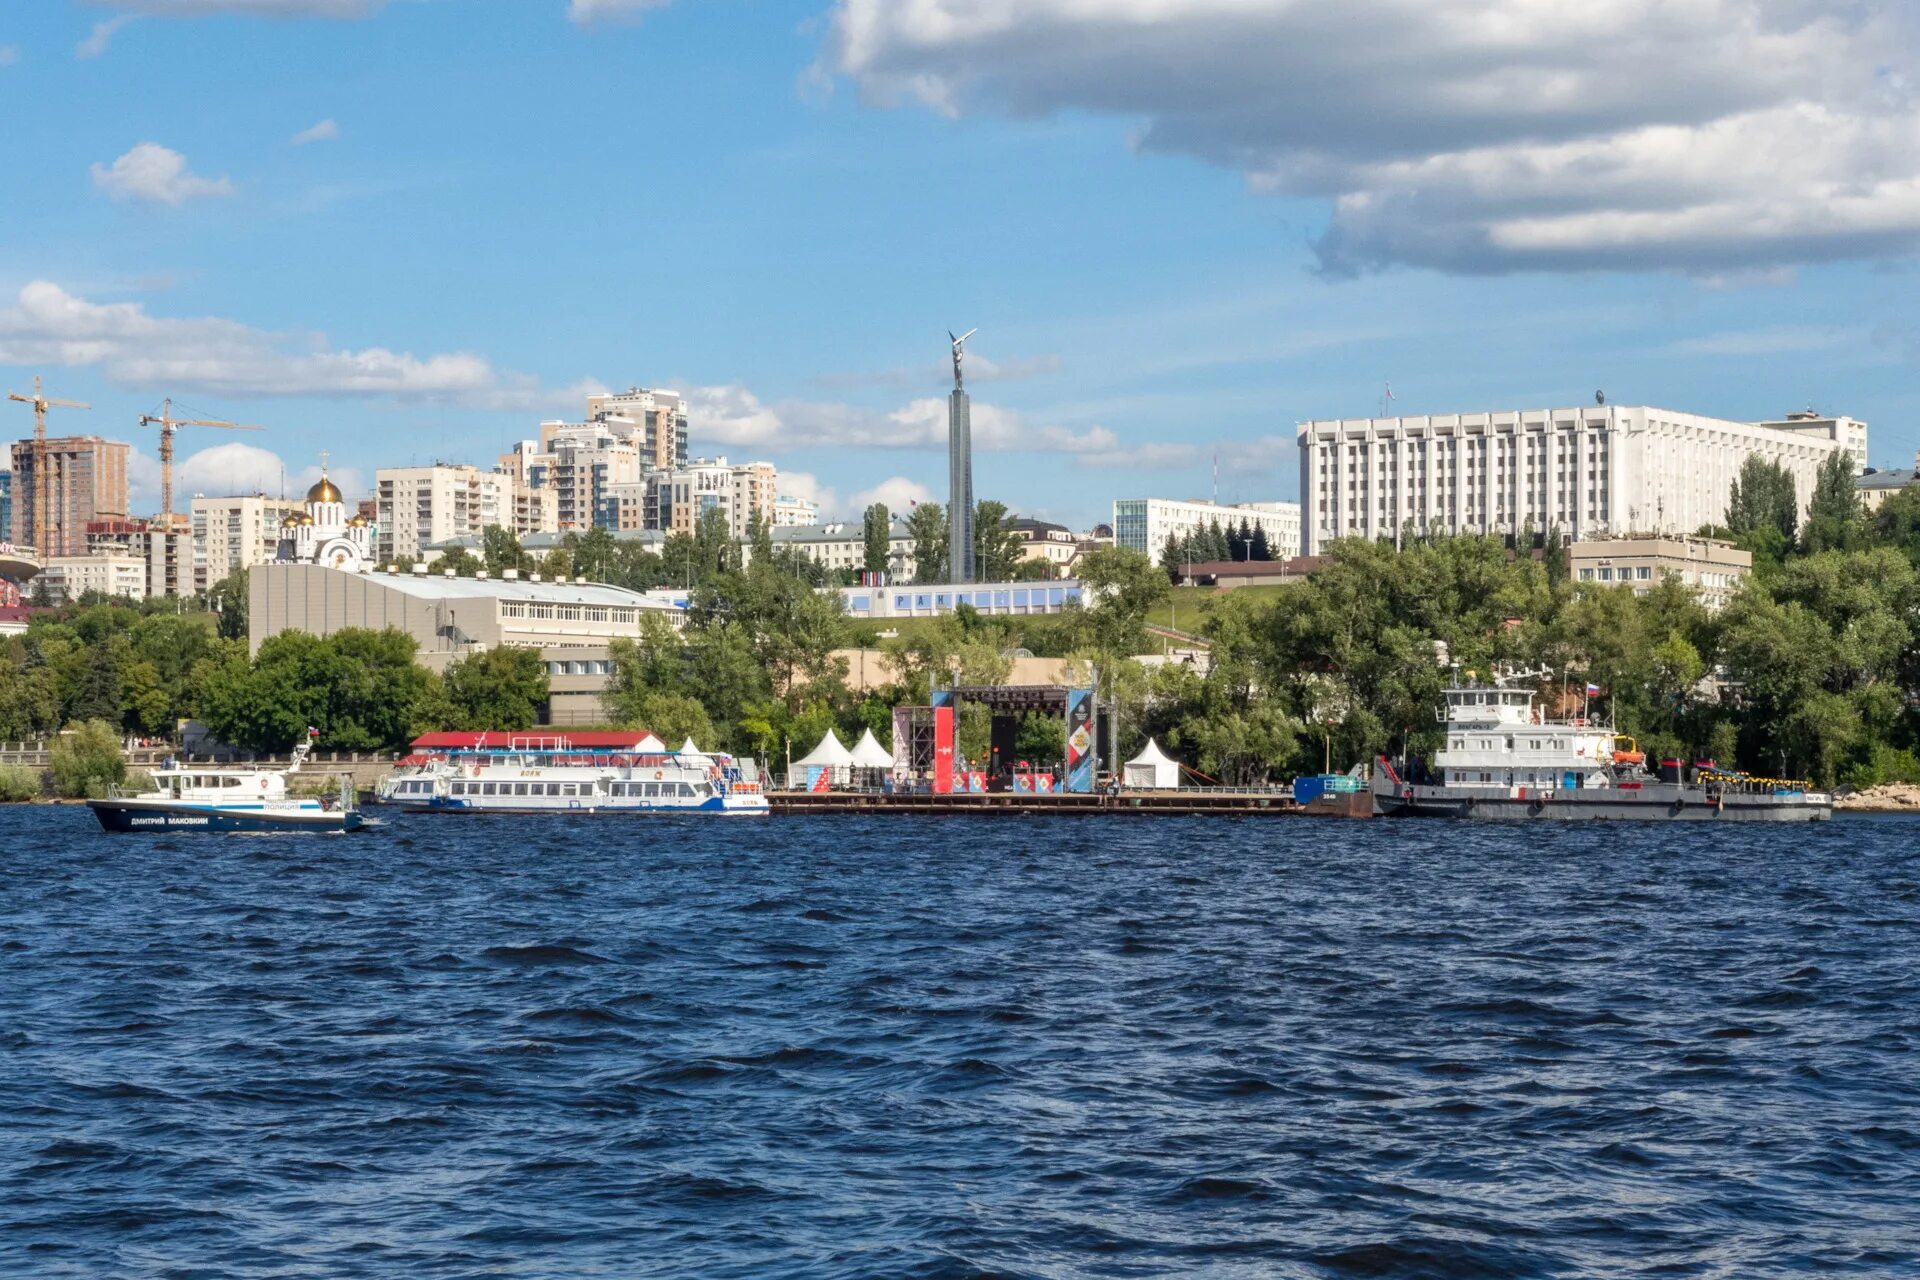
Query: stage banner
1079, 740
819, 777
943, 734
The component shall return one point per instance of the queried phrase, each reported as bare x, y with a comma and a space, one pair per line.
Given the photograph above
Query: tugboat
202, 798
1504, 760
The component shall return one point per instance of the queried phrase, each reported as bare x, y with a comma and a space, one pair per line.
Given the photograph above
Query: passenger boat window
519, 788
569, 789
686, 788
493, 788
653, 790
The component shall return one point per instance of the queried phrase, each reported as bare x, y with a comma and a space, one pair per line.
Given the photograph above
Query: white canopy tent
1152, 769
687, 748
869, 754
831, 756
650, 744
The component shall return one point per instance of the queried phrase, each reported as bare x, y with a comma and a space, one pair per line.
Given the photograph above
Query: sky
402, 231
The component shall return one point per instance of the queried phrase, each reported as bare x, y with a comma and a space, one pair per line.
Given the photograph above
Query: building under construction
86, 484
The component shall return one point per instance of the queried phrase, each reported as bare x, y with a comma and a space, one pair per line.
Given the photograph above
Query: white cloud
228, 470
9, 54
48, 325
804, 484
96, 42
588, 12
154, 173
898, 492
324, 131
1470, 135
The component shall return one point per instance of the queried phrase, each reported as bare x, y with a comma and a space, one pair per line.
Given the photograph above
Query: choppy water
498, 1047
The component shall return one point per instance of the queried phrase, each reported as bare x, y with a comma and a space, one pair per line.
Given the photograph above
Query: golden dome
323, 491
305, 519
292, 521
356, 522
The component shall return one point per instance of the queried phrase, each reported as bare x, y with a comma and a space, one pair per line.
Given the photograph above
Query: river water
912, 1047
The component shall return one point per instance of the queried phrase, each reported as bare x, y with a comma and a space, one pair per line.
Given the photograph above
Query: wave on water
850, 1047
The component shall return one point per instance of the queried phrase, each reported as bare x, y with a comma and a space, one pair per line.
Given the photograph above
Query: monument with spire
959, 470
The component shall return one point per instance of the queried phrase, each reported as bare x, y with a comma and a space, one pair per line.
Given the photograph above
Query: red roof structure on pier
584, 740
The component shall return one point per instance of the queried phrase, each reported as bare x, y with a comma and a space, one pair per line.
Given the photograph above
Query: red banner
943, 751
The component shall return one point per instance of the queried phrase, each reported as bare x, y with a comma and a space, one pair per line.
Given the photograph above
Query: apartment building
1598, 471
793, 512
234, 533
843, 546
657, 422
1145, 524
417, 507
113, 573
86, 481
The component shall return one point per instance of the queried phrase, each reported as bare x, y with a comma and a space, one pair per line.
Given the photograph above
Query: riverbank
1892, 797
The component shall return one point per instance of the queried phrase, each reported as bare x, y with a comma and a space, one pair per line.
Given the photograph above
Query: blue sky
1181, 226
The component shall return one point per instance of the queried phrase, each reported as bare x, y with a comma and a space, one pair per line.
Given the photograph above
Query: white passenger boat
533, 773
1502, 757
207, 798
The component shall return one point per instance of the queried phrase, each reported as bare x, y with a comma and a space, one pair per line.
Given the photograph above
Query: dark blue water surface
912, 1047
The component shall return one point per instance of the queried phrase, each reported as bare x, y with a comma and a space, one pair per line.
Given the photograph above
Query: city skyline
423, 259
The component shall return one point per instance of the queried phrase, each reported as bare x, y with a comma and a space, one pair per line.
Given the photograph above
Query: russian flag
1593, 690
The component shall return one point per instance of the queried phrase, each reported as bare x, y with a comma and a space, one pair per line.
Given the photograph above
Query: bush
1884, 764
86, 759
17, 783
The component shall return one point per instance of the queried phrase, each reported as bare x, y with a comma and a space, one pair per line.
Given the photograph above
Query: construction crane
40, 404
168, 425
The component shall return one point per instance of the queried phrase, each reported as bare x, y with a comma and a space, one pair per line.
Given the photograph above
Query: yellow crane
40, 404
168, 425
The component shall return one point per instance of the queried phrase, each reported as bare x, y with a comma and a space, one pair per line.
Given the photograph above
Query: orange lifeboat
1630, 754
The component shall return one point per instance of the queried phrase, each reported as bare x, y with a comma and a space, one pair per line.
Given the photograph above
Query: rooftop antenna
1599, 397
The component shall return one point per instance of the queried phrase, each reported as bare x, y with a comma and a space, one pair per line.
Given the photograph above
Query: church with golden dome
324, 533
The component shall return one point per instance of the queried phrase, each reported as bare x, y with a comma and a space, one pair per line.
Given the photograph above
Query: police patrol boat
533, 773
189, 797
1503, 758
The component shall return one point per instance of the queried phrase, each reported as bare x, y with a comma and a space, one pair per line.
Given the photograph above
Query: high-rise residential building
579, 462
234, 533
168, 551
6, 505
790, 512
86, 481
1595, 471
658, 421
416, 507
673, 501
1145, 524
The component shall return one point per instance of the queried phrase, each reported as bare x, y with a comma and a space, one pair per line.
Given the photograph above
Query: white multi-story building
654, 421
235, 533
1597, 471
792, 512
1145, 524
843, 546
416, 507
113, 573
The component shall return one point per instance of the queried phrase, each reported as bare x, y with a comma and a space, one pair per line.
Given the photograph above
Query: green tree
927, 526
877, 532
362, 690
1763, 502
460, 562
1835, 521
504, 688
228, 599
996, 547
85, 759
1124, 587
500, 551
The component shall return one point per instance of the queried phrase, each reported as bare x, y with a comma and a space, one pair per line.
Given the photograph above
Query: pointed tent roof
869, 754
650, 744
687, 748
831, 752
1153, 755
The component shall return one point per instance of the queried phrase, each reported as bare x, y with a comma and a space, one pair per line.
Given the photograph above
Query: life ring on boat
658, 774
263, 784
